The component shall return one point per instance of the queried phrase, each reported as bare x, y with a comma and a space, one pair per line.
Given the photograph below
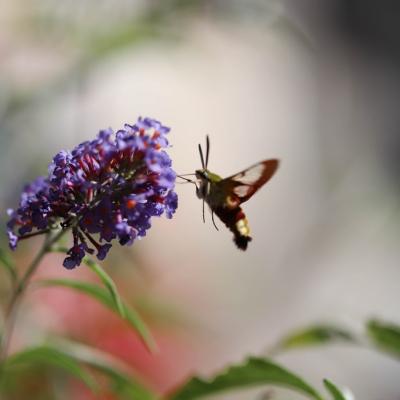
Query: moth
225, 196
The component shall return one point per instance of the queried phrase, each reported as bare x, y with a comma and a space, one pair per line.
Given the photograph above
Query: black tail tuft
242, 241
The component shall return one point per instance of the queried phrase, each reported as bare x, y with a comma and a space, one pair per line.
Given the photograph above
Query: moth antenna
201, 157
207, 149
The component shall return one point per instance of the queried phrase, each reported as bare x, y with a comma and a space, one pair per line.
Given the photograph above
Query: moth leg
204, 218
212, 217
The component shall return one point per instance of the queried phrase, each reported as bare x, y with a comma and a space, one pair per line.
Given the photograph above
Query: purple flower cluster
109, 187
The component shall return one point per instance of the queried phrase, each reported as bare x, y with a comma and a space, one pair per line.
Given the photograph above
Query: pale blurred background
313, 83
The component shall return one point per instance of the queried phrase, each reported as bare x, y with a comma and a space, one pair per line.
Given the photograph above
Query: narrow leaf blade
385, 336
104, 297
334, 391
52, 357
107, 365
255, 371
108, 283
315, 335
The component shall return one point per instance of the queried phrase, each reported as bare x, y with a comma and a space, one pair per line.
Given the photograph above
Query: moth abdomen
235, 219
242, 234
242, 241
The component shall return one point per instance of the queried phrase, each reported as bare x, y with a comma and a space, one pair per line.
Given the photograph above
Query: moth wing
245, 183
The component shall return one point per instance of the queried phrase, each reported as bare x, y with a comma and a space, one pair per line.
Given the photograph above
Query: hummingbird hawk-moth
225, 196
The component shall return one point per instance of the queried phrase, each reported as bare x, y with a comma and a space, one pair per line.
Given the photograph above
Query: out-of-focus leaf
103, 296
334, 391
52, 357
385, 336
255, 371
315, 335
57, 248
8, 265
124, 384
108, 283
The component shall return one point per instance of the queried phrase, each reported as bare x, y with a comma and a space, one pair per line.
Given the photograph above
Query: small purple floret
103, 250
109, 187
12, 240
76, 254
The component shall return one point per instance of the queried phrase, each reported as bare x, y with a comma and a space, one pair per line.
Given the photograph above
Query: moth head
201, 174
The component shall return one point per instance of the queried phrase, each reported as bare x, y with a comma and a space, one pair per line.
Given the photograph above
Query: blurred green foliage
254, 371
103, 296
386, 336
38, 367
315, 335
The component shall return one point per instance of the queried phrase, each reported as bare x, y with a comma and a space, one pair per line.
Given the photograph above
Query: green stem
12, 308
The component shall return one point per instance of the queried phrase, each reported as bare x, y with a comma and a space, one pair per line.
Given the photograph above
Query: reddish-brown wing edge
245, 183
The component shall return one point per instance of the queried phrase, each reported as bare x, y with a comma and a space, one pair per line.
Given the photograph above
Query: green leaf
385, 336
108, 365
108, 283
334, 391
8, 265
57, 248
255, 371
103, 296
48, 356
315, 335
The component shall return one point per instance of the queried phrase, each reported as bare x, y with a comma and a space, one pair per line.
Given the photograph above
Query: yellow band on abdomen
243, 227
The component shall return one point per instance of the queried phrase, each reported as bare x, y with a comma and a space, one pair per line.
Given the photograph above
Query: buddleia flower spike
103, 190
